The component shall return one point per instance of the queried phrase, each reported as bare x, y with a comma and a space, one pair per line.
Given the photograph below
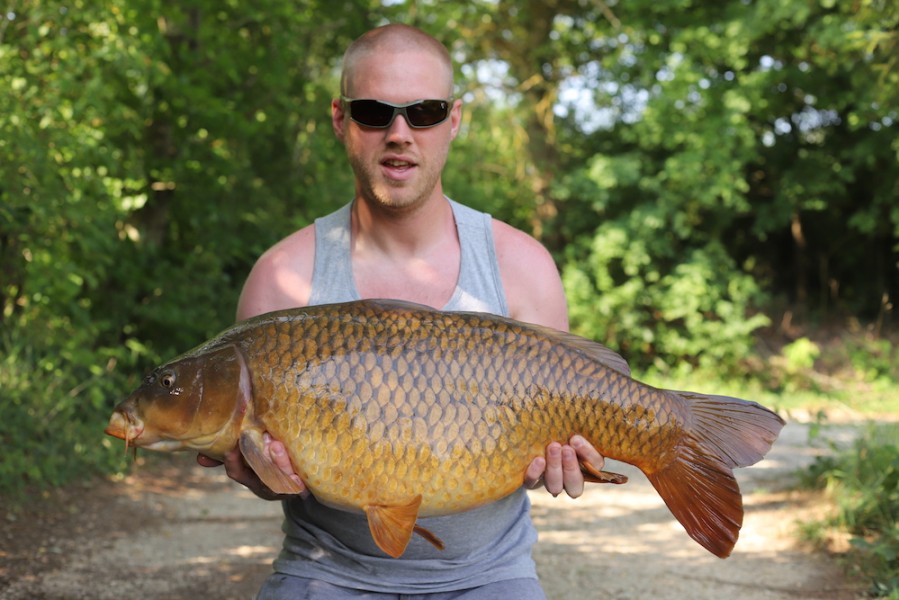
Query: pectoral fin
253, 449
594, 475
392, 526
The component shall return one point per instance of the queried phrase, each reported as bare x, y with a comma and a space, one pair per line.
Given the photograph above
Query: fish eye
167, 379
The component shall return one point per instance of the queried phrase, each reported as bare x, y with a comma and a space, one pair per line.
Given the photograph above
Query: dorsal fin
595, 350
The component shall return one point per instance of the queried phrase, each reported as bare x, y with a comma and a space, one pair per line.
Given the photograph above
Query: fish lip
127, 435
124, 426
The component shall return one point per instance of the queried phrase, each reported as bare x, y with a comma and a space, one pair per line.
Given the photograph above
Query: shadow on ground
175, 531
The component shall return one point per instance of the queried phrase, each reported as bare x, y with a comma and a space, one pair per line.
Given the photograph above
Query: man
402, 238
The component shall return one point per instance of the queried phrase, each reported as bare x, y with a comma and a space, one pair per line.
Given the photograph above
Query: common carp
400, 411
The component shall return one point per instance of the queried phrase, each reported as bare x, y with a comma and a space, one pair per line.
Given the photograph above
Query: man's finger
552, 477
572, 477
533, 477
281, 458
205, 461
587, 453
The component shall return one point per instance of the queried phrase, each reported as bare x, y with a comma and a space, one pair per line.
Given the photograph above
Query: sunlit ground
621, 541
197, 535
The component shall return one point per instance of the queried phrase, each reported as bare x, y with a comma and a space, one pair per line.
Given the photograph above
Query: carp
399, 411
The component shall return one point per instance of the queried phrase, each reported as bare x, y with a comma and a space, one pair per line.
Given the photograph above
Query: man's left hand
560, 469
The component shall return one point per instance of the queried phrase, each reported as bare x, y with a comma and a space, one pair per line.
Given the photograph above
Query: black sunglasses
379, 114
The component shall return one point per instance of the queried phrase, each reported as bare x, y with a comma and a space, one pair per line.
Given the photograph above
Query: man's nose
399, 130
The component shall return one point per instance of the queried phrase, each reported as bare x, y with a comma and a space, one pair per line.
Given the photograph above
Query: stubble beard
395, 196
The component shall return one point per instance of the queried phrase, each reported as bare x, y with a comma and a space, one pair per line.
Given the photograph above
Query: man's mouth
398, 169
398, 164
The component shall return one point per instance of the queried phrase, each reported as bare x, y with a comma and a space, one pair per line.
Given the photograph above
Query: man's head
397, 164
396, 39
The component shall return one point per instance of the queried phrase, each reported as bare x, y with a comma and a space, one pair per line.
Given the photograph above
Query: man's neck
411, 255
401, 233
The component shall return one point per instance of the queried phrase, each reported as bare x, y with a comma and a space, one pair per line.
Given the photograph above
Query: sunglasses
379, 114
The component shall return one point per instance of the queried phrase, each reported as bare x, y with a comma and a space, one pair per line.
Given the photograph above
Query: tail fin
698, 484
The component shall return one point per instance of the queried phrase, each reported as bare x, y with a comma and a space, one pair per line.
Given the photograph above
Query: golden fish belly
378, 410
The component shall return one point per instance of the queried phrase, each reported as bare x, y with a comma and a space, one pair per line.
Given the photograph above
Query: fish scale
384, 431
401, 411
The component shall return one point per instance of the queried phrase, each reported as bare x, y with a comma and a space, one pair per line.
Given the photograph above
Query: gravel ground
175, 531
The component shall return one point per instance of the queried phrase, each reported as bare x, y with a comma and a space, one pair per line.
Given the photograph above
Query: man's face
398, 167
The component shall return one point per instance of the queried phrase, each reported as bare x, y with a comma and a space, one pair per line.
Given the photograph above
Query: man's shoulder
298, 245
281, 277
530, 278
515, 245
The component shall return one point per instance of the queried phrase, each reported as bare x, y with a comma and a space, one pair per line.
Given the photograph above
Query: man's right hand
238, 470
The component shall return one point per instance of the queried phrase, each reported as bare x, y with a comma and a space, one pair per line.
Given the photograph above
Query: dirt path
173, 531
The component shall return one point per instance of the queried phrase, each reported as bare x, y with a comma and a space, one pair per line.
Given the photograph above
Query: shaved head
392, 39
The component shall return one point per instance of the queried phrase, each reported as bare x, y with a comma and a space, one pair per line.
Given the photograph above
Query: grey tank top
489, 544
479, 287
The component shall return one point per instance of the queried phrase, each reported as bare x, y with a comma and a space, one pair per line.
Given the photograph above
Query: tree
148, 153
750, 139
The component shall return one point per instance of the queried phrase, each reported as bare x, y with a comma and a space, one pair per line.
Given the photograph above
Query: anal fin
392, 526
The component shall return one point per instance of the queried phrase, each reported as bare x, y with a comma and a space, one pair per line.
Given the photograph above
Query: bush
863, 483
693, 311
56, 402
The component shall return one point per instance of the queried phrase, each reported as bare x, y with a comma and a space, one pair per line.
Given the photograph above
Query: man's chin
397, 199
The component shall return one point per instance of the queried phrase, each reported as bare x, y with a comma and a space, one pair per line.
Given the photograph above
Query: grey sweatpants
284, 587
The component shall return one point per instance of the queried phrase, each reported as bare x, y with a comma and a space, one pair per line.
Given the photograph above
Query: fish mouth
124, 426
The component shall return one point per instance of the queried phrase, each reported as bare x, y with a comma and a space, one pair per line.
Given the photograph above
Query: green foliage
875, 361
847, 370
761, 126
801, 354
635, 295
55, 405
148, 155
696, 168
863, 483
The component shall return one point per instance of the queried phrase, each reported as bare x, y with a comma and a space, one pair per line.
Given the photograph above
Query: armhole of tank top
494, 261
322, 270
315, 283
478, 220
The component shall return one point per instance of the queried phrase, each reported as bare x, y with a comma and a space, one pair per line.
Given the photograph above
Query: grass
862, 483
845, 377
847, 373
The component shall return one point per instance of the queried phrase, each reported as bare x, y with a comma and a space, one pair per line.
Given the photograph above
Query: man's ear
338, 118
456, 117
